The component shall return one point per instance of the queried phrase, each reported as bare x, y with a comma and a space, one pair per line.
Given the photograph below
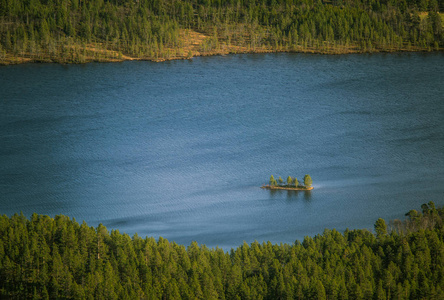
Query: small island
292, 184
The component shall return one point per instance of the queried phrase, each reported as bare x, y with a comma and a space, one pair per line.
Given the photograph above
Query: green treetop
380, 228
272, 181
280, 180
307, 180
289, 180
296, 183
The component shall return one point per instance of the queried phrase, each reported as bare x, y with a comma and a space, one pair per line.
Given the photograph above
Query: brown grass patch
191, 43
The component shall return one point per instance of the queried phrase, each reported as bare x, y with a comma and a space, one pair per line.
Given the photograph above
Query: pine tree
289, 180
272, 181
380, 228
307, 181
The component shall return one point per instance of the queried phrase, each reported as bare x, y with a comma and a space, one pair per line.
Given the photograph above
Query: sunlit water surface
180, 149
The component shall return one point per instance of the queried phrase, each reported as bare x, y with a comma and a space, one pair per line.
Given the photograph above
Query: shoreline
269, 187
17, 60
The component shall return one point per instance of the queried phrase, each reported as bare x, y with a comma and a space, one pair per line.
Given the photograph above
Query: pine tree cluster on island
291, 183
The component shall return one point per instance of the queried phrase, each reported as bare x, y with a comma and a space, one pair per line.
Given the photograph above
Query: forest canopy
103, 30
49, 258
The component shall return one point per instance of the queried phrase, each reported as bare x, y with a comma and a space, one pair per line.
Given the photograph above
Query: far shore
275, 187
10, 59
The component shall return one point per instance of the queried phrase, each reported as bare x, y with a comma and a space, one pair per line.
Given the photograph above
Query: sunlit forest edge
58, 258
78, 31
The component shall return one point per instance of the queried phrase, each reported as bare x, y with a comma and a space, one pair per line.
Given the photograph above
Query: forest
58, 258
77, 31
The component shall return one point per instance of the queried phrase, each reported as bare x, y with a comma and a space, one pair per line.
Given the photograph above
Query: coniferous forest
76, 31
46, 258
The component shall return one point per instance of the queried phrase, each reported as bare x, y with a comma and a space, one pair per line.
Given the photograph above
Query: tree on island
281, 181
273, 181
307, 181
289, 180
296, 183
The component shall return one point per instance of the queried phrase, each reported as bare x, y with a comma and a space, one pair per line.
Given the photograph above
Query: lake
180, 149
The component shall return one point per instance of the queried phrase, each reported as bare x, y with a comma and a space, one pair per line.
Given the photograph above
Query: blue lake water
180, 149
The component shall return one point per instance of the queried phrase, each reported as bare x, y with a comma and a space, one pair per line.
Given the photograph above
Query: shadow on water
290, 195
275, 193
307, 196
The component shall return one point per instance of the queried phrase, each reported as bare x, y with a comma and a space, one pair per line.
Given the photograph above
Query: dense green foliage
291, 182
73, 30
58, 258
307, 180
273, 181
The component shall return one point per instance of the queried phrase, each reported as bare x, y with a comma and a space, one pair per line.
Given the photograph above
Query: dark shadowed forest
44, 258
